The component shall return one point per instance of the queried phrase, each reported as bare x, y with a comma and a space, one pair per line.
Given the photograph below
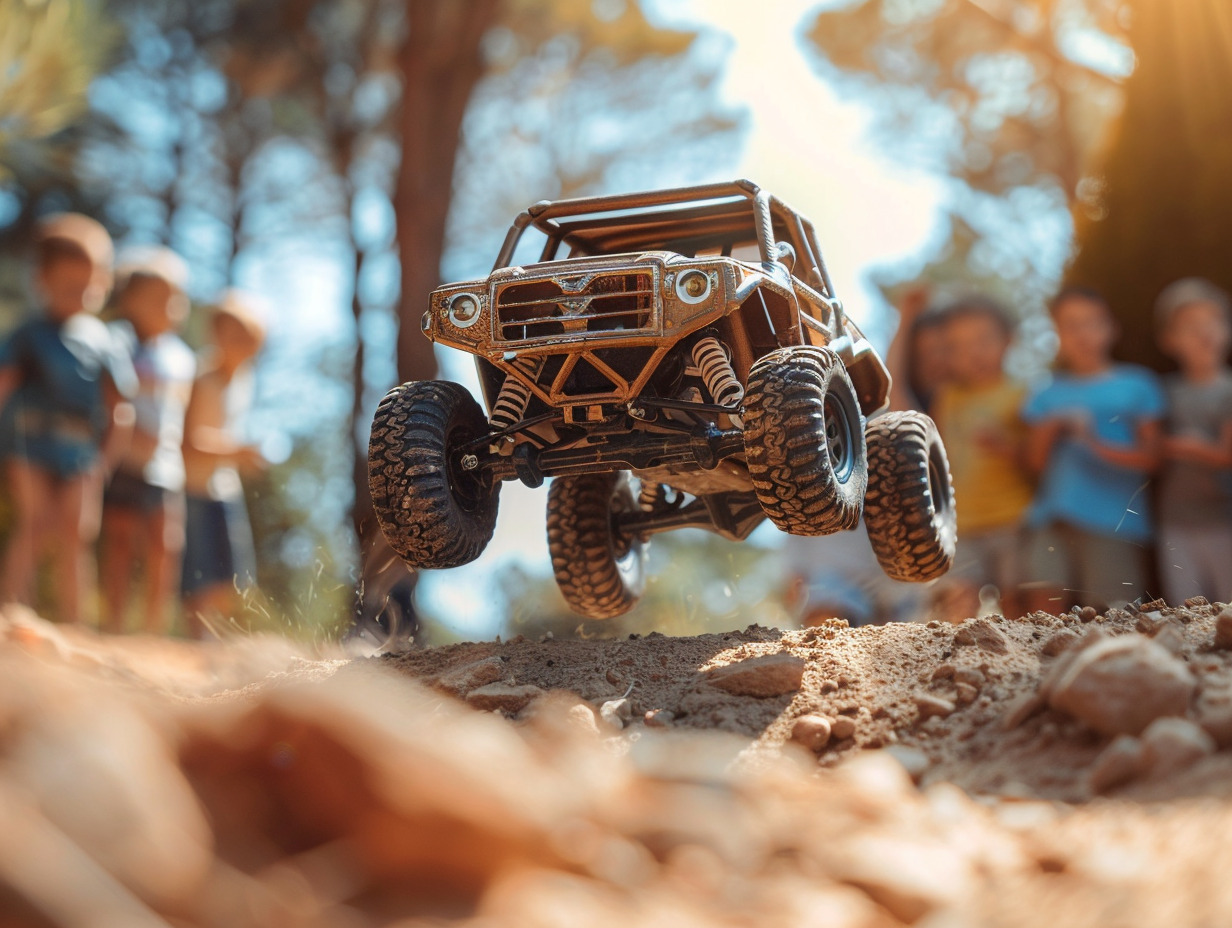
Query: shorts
128, 491
991, 557
62, 444
1098, 570
1195, 560
218, 546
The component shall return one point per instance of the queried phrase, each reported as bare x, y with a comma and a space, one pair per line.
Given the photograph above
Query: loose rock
965, 694
504, 697
1212, 709
812, 731
659, 718
767, 675
1059, 643
1120, 762
914, 761
842, 728
461, 680
1223, 630
615, 713
970, 676
930, 706
982, 634
1121, 685
1172, 744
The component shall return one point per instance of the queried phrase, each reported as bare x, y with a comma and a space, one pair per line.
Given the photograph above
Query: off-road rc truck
690, 339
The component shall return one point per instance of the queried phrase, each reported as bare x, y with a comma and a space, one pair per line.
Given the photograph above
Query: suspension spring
652, 496
710, 358
514, 396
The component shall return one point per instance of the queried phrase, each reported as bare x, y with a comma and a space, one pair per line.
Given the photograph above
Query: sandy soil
1047, 771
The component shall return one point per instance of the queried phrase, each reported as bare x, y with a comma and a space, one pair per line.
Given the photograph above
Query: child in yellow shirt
977, 413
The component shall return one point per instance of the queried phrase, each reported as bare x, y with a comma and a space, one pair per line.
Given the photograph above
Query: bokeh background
342, 157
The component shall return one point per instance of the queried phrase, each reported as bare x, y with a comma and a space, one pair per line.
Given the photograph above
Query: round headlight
463, 310
693, 286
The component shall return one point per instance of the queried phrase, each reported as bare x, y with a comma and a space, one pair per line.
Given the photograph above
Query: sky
808, 145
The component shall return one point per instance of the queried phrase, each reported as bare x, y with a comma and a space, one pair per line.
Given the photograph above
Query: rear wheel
804, 441
433, 512
601, 570
909, 507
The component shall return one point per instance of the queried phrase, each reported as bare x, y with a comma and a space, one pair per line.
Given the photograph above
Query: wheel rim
839, 437
466, 488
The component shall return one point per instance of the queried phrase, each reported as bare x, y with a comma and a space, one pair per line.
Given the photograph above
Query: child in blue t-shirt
1095, 441
63, 379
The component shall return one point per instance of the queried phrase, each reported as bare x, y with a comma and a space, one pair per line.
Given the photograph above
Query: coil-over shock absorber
652, 496
712, 362
514, 396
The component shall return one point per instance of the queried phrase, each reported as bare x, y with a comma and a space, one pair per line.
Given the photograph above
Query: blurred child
218, 554
1195, 494
977, 414
1095, 440
917, 358
143, 507
63, 377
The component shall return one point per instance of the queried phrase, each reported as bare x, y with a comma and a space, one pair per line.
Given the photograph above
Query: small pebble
615, 713
1195, 601
1088, 614
659, 718
969, 676
812, 731
1223, 630
842, 728
930, 706
965, 693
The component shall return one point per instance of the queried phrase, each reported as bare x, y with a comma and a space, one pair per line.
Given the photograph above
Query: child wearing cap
63, 383
143, 507
1095, 441
218, 553
1194, 319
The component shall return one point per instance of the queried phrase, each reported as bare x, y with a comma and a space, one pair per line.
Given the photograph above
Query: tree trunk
440, 64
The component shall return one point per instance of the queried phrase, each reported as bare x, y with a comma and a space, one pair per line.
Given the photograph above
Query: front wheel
433, 512
804, 441
909, 508
601, 570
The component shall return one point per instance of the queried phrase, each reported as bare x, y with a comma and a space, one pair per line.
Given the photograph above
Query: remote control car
671, 359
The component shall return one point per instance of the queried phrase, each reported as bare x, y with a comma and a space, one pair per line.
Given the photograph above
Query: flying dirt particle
767, 675
812, 731
842, 728
929, 706
503, 697
1121, 685
1172, 744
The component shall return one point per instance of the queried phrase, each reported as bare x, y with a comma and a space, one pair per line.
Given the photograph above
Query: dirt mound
644, 781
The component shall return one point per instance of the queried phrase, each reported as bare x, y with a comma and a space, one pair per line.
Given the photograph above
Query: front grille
596, 302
